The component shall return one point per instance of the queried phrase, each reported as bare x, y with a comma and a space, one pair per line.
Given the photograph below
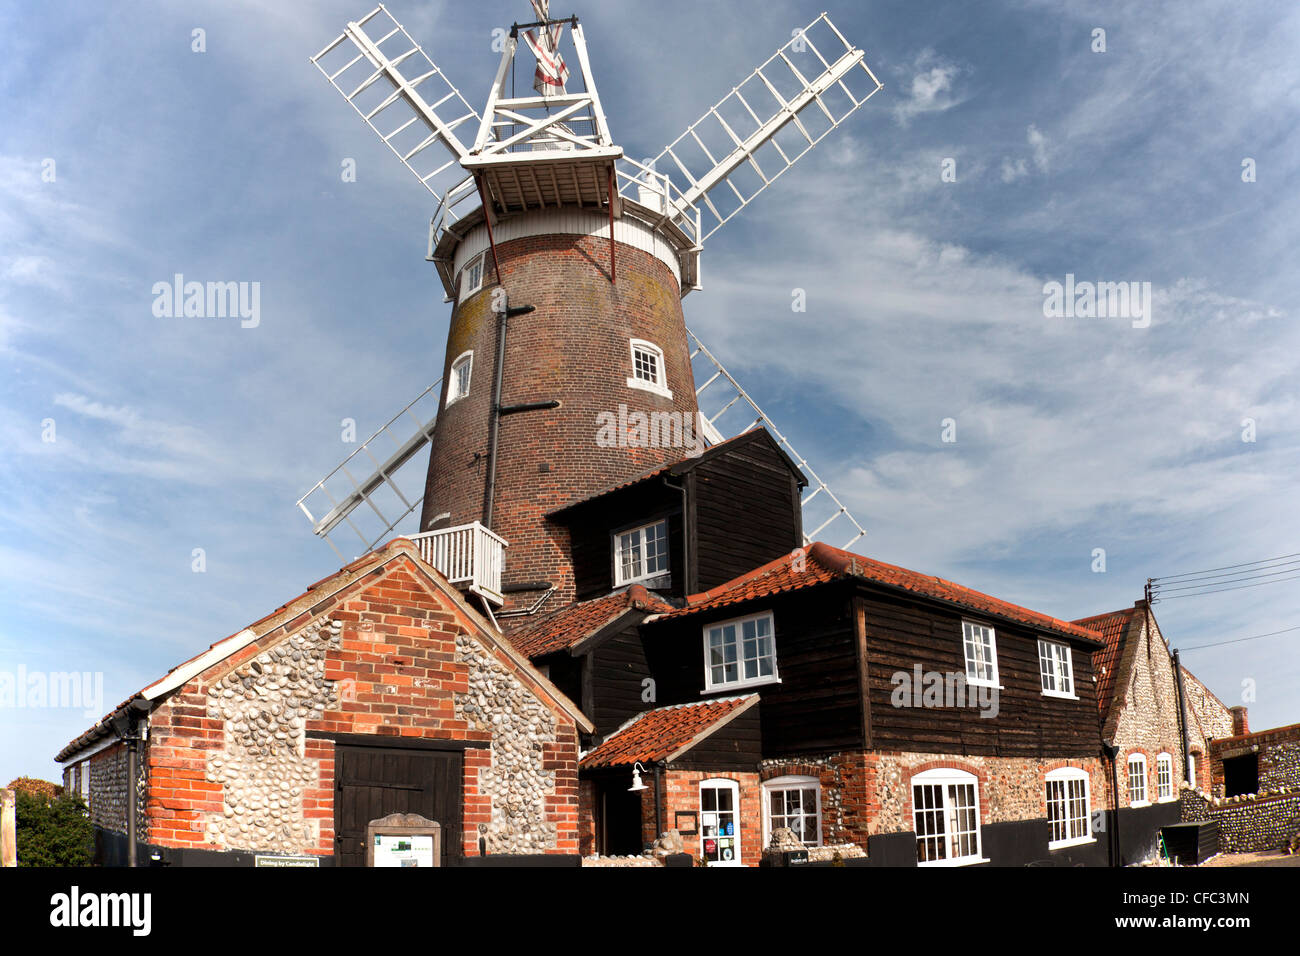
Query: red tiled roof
665, 733
568, 626
1105, 661
823, 563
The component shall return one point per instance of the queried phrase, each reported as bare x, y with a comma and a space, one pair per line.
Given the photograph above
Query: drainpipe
1111, 751
126, 724
498, 376
686, 539
1182, 720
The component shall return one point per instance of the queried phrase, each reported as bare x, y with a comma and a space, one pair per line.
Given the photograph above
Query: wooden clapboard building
752, 685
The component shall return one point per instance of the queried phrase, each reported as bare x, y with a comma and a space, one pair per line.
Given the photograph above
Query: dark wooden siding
745, 511
736, 746
815, 708
902, 634
618, 667
591, 529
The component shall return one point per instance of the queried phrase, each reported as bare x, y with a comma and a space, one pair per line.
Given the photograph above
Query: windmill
566, 262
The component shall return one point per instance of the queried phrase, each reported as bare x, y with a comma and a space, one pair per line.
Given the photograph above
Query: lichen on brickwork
521, 727
265, 704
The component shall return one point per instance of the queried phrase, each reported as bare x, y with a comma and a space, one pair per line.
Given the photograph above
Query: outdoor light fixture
636, 778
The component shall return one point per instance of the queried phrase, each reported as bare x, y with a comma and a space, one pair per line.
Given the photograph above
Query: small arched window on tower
458, 384
471, 277
648, 370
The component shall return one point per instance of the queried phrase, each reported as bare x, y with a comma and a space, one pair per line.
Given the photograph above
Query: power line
1207, 577
1240, 640
1175, 597
1229, 567
1226, 580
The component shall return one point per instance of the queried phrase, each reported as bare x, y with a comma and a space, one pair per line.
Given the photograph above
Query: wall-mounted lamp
636, 778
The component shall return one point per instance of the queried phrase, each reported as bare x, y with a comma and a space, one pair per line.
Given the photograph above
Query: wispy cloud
931, 87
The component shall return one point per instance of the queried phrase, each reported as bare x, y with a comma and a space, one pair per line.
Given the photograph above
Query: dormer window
458, 383
471, 277
648, 370
641, 553
740, 652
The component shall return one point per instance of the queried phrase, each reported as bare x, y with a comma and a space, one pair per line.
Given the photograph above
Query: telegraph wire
1240, 640
1230, 567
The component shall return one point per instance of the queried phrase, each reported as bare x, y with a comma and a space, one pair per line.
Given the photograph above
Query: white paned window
1137, 779
1068, 812
471, 277
641, 553
946, 814
981, 654
794, 802
1165, 777
720, 822
648, 370
458, 384
1056, 669
739, 652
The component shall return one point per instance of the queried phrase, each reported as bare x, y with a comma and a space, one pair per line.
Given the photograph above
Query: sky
150, 465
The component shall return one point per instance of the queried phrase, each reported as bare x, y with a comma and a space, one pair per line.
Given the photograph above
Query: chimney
1239, 724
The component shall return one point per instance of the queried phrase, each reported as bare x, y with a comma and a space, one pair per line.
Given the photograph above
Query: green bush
53, 831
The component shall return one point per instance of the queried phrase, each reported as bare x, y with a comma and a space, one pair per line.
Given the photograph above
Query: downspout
494, 427
686, 539
1182, 720
1111, 751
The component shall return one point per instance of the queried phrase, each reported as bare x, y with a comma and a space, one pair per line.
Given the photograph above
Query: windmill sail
725, 413
391, 494
763, 126
403, 96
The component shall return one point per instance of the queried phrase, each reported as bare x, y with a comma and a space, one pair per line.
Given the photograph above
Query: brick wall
681, 791
231, 765
573, 349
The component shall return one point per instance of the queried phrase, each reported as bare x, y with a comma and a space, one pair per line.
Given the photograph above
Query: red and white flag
551, 73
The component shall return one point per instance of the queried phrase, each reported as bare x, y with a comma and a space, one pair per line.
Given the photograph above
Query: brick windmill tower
567, 368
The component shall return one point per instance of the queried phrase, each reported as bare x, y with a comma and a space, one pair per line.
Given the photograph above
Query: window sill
1066, 844
1059, 696
1138, 804
740, 685
645, 386
453, 401
1166, 800
651, 582
971, 682
962, 861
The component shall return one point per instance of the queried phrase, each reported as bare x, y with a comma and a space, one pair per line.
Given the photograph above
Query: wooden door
372, 782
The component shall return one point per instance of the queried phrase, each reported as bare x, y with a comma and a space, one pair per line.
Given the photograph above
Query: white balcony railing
470, 556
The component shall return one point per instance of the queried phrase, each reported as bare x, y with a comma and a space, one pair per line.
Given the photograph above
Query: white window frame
967, 628
1164, 777
944, 778
721, 783
645, 575
738, 624
454, 392
472, 275
1137, 760
83, 779
1057, 668
660, 384
1063, 779
783, 785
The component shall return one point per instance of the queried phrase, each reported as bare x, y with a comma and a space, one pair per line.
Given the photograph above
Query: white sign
393, 850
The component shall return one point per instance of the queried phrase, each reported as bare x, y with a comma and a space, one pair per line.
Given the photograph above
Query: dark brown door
373, 782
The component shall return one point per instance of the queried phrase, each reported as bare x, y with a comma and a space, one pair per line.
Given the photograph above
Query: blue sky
924, 302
